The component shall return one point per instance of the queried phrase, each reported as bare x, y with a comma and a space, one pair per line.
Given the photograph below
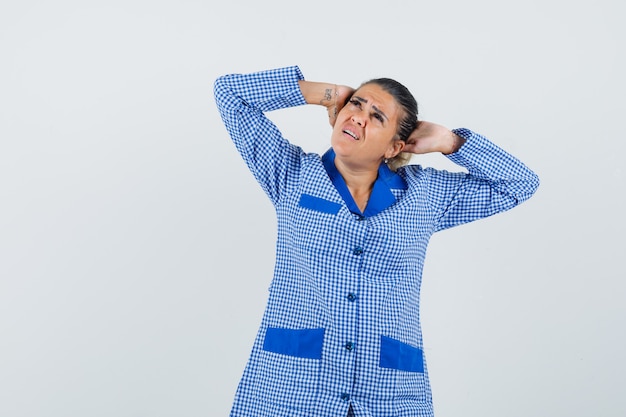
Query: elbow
534, 183
531, 184
224, 97
219, 88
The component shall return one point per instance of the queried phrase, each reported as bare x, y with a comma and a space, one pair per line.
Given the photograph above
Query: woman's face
365, 130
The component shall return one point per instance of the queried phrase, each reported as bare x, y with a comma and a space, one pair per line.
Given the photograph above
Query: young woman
341, 333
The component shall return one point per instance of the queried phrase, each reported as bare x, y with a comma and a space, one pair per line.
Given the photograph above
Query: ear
396, 147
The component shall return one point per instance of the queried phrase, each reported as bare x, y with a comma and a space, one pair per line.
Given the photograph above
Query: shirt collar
381, 198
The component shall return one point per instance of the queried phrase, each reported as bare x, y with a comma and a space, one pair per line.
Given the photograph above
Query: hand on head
342, 95
430, 137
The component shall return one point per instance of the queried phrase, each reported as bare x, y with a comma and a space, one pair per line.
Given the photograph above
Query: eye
379, 117
355, 102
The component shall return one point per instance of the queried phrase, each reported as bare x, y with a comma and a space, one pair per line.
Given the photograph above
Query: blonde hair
400, 160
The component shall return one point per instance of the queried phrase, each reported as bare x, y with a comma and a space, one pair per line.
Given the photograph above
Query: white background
136, 249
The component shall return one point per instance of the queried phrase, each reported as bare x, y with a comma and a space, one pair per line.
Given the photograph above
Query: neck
358, 178
360, 181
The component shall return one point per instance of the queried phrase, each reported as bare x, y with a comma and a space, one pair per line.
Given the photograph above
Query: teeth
351, 134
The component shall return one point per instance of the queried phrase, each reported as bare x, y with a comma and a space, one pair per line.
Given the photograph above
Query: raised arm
331, 96
496, 181
430, 137
242, 100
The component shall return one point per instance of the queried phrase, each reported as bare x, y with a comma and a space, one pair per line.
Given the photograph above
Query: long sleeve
242, 100
496, 181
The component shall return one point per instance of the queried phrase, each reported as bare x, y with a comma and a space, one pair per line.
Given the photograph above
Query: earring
386, 160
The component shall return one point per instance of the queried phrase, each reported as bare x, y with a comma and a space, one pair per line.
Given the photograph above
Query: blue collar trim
381, 198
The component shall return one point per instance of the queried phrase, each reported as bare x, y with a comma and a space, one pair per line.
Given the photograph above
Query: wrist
324, 94
455, 143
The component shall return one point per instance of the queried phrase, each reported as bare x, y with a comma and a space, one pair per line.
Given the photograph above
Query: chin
342, 146
341, 149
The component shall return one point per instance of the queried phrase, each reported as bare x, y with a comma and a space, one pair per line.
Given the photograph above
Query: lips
351, 133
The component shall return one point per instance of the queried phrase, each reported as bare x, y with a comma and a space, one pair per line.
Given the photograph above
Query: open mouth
351, 133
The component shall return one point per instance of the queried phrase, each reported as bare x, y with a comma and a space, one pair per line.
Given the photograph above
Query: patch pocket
401, 356
319, 204
300, 343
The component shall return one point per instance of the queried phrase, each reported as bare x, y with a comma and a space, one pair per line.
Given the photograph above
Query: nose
358, 119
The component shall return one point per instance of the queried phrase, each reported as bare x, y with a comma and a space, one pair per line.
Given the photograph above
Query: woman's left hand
430, 137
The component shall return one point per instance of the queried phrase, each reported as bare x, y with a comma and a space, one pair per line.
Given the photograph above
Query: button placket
349, 346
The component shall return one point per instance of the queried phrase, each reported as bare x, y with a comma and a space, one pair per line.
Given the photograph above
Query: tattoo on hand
327, 95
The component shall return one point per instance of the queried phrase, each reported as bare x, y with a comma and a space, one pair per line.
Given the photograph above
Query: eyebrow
362, 100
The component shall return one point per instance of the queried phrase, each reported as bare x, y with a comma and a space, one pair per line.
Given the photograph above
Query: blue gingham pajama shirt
342, 324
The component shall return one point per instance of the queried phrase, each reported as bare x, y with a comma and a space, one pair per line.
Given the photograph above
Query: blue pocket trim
319, 204
397, 355
301, 343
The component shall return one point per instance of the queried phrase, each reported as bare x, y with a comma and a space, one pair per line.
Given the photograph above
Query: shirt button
345, 396
349, 346
360, 217
351, 296
357, 251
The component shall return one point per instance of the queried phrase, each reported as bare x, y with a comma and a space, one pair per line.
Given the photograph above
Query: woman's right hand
331, 96
343, 93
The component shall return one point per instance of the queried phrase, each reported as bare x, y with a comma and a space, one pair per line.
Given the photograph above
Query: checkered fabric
341, 329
